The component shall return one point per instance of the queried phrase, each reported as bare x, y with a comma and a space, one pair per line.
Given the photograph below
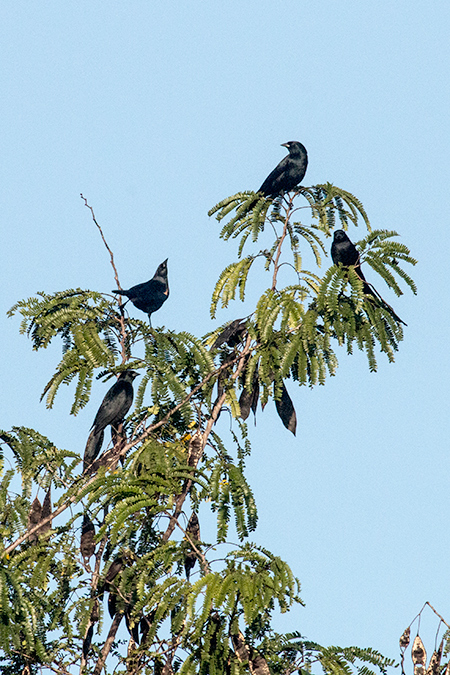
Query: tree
133, 535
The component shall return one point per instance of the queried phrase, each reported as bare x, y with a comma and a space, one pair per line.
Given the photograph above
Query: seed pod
46, 511
95, 612
286, 410
419, 656
195, 448
87, 642
404, 640
34, 517
435, 661
87, 544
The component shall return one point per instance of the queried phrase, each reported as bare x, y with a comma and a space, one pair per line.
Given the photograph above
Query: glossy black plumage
149, 296
288, 173
344, 251
112, 410
116, 403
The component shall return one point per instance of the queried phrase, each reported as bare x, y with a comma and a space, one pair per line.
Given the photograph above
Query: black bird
149, 296
344, 251
112, 411
116, 403
289, 172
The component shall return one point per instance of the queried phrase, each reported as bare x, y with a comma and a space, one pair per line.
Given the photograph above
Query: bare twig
432, 608
116, 275
121, 320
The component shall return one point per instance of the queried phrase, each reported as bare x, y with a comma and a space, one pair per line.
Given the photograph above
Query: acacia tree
75, 581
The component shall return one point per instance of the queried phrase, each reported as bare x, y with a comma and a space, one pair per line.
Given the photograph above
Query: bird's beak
285, 145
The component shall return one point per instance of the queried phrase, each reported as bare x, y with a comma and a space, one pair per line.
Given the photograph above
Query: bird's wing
270, 184
112, 406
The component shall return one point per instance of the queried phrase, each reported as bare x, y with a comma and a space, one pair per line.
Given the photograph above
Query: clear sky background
156, 111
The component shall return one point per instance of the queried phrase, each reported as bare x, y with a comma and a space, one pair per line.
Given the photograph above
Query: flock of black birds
151, 295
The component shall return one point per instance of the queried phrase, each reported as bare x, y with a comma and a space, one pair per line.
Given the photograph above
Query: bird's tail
121, 292
93, 447
370, 290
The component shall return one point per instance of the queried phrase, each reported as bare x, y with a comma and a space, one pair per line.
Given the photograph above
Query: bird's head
128, 375
161, 272
339, 236
295, 148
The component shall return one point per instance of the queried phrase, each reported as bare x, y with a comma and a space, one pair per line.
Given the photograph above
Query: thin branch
112, 455
123, 332
94, 583
201, 557
116, 275
108, 644
432, 608
280, 244
209, 425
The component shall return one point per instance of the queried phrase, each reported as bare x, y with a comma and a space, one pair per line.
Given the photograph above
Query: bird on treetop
289, 172
149, 296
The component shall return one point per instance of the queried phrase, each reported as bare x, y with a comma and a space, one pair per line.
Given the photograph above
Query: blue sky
156, 111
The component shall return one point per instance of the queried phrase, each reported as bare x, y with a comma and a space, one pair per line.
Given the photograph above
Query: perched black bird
112, 411
289, 172
344, 251
116, 403
149, 296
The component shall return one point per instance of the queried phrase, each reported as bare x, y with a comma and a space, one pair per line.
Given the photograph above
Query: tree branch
209, 425
108, 644
116, 277
280, 244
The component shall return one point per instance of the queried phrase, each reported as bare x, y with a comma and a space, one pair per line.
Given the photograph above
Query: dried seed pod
87, 642
193, 527
419, 656
435, 661
46, 511
195, 448
193, 530
258, 665
87, 544
231, 334
34, 517
404, 640
95, 612
286, 411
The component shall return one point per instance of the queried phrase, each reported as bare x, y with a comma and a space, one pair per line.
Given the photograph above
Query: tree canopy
100, 575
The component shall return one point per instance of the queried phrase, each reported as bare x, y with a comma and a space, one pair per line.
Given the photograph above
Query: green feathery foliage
118, 557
